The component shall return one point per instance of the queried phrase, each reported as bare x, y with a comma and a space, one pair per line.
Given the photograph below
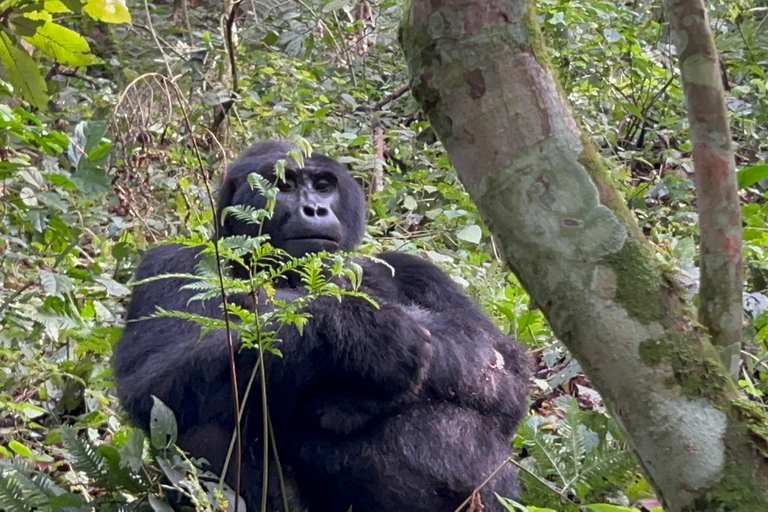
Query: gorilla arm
383, 353
167, 358
474, 364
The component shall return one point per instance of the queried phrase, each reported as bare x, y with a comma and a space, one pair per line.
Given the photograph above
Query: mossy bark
480, 72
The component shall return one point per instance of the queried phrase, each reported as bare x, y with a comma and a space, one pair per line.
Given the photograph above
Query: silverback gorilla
406, 407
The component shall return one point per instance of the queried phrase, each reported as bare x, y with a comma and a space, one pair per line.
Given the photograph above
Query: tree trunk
481, 73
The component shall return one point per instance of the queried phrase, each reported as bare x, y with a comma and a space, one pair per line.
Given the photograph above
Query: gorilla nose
314, 211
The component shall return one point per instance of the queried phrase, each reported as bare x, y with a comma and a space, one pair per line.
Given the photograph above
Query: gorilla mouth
317, 238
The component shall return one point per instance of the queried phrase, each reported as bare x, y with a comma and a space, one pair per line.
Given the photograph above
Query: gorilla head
319, 206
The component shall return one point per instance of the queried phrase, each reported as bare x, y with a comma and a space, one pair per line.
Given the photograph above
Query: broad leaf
62, 45
108, 11
23, 73
24, 26
86, 138
162, 425
472, 234
748, 176
113, 287
91, 180
56, 6
54, 283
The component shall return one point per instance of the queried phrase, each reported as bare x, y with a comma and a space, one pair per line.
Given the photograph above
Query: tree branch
720, 295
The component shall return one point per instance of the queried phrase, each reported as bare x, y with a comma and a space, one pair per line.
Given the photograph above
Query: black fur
407, 407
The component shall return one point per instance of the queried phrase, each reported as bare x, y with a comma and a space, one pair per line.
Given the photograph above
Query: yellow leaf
23, 73
108, 11
38, 15
55, 6
62, 45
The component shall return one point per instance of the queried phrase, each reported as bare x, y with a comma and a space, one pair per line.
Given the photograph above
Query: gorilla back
408, 406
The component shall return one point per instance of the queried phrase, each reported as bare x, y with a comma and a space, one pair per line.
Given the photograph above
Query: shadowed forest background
103, 108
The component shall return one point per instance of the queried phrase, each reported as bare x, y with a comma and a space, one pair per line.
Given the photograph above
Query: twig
392, 97
227, 322
157, 41
56, 70
377, 181
160, 38
485, 482
227, 105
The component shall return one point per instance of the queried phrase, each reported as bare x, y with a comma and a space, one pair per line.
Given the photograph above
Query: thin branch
219, 268
392, 97
227, 105
157, 41
720, 296
377, 181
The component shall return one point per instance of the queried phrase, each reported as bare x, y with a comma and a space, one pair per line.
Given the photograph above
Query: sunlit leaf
108, 11
633, 109
56, 6
62, 45
23, 72
20, 449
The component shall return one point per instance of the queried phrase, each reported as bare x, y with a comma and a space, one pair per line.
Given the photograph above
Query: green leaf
472, 234
83, 453
90, 180
604, 507
67, 500
54, 283
132, 452
20, 449
73, 5
62, 45
93, 131
24, 26
748, 176
633, 109
23, 73
162, 425
113, 287
410, 203
108, 11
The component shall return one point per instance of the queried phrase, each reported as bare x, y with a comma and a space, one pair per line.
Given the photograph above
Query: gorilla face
319, 206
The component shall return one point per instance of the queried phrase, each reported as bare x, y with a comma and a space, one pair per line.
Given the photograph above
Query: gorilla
407, 406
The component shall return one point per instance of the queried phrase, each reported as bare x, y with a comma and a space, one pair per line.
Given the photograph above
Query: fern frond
83, 453
575, 433
201, 320
247, 214
12, 497
617, 466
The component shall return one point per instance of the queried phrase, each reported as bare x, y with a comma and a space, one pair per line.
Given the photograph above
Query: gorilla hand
388, 346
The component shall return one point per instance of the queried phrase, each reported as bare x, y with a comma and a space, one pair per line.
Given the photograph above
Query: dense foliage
114, 121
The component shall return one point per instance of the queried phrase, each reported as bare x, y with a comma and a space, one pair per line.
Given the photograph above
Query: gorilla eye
286, 185
324, 184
